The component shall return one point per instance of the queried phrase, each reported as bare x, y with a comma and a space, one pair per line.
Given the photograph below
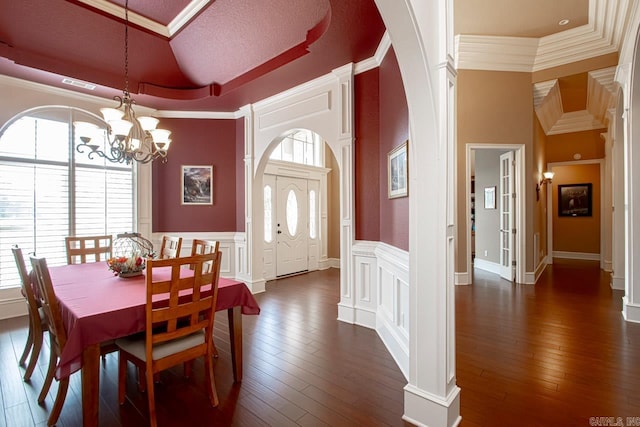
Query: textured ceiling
199, 55
218, 55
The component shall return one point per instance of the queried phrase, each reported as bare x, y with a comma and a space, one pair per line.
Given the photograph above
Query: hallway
556, 353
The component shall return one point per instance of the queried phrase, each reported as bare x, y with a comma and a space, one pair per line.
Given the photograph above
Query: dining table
98, 306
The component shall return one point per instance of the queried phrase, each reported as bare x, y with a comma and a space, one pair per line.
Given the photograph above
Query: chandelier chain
126, 47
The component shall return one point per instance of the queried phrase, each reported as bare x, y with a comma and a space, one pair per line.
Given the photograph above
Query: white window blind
49, 191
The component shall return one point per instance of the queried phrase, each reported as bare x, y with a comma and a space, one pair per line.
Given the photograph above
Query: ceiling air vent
78, 83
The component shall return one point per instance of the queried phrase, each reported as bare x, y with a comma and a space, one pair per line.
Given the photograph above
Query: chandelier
127, 137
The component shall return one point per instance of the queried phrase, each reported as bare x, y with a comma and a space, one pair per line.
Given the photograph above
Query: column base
424, 409
630, 311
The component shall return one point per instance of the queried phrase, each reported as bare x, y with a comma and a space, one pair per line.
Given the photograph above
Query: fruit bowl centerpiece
127, 266
129, 253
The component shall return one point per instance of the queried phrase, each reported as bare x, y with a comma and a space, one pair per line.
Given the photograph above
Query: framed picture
574, 200
397, 170
197, 185
490, 197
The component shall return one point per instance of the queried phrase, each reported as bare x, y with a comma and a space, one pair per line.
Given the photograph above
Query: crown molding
602, 35
548, 104
174, 114
183, 18
601, 89
377, 58
575, 121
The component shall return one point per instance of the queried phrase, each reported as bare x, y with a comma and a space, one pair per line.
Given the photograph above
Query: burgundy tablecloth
98, 306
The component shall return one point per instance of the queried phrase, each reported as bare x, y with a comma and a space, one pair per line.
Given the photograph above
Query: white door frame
519, 220
550, 167
507, 271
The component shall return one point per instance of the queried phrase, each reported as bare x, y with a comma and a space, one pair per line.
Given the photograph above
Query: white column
252, 258
607, 215
631, 300
617, 191
144, 199
422, 36
347, 306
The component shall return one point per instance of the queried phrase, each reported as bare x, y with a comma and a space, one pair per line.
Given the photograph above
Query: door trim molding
519, 204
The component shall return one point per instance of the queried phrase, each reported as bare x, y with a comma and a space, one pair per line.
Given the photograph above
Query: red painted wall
394, 130
381, 124
196, 142
366, 151
240, 174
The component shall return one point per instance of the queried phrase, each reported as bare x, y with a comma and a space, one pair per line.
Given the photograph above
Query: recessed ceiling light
563, 22
78, 83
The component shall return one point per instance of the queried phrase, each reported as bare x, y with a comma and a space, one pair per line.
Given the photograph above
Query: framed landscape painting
197, 185
397, 170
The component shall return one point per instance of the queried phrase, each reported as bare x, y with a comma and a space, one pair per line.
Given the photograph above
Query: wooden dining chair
201, 247
170, 247
37, 320
57, 335
178, 331
82, 249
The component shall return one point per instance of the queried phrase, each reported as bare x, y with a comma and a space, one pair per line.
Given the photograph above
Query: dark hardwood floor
301, 368
555, 353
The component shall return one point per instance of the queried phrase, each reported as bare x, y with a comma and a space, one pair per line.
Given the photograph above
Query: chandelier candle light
128, 137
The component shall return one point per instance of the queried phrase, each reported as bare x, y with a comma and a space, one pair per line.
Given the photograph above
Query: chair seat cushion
135, 345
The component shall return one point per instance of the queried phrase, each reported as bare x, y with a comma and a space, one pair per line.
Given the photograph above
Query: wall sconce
546, 179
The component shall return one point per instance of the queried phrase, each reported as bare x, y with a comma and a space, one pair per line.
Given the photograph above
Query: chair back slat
49, 302
170, 247
83, 249
191, 303
201, 247
25, 280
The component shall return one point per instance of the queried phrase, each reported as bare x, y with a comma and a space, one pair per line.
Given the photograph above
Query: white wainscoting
382, 295
232, 245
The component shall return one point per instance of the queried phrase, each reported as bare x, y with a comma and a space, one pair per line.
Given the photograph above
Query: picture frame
490, 197
575, 200
196, 185
398, 172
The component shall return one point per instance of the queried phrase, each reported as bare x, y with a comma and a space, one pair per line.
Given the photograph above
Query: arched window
49, 191
301, 146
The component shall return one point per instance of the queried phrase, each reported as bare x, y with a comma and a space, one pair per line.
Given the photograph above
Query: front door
291, 226
507, 228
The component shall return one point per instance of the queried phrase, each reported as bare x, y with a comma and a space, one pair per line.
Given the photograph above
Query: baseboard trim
617, 283
491, 267
462, 279
577, 255
14, 307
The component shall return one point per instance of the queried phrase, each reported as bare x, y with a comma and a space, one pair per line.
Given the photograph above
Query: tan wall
540, 207
492, 108
588, 144
577, 234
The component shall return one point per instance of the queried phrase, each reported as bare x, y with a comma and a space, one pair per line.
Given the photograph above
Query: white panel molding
382, 289
577, 255
603, 34
230, 242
